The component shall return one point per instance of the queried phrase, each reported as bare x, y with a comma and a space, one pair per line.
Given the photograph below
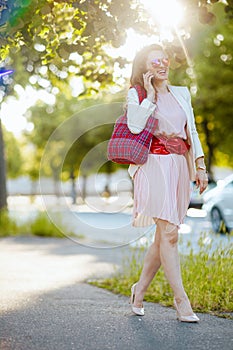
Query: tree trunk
211, 147
73, 188
109, 173
3, 196
210, 159
84, 189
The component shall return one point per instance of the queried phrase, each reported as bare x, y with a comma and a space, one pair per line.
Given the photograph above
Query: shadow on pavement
81, 316
46, 305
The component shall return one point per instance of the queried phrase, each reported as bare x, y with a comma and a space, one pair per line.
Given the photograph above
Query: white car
218, 204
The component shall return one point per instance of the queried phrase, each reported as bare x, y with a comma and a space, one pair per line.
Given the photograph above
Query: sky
12, 112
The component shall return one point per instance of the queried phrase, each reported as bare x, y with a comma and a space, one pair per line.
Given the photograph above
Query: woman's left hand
201, 180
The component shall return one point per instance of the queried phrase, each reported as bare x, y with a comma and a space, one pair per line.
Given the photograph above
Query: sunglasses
156, 62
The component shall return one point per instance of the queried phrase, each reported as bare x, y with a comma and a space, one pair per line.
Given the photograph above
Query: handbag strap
152, 123
141, 92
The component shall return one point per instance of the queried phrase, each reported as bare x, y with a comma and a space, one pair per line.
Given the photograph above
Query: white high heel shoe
137, 310
189, 318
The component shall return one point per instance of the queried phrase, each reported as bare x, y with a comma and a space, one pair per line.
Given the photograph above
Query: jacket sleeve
198, 151
137, 114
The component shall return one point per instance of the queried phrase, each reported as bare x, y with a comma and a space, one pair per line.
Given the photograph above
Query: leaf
63, 53
77, 24
45, 10
206, 17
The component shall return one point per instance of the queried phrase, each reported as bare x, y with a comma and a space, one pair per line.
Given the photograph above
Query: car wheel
217, 221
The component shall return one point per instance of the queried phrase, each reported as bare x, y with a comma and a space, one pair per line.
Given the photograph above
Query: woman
162, 184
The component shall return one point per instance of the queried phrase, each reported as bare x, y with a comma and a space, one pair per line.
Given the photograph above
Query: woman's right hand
147, 79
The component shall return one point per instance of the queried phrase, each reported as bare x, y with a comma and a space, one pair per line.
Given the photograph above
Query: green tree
4, 88
214, 76
50, 41
3, 201
210, 79
79, 128
14, 159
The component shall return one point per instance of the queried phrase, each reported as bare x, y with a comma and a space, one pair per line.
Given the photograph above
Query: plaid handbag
125, 147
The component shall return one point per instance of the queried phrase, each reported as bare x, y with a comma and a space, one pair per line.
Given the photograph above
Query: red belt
168, 145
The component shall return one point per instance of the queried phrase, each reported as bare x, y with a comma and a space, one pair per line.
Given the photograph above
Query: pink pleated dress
162, 185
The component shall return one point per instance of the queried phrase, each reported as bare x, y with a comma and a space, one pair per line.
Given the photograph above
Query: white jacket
137, 116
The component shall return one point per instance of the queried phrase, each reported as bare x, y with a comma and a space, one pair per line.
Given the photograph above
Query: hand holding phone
148, 85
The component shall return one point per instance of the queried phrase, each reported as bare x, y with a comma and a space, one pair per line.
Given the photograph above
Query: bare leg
171, 263
151, 265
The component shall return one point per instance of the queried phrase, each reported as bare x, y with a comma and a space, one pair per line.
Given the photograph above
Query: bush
40, 226
207, 277
8, 226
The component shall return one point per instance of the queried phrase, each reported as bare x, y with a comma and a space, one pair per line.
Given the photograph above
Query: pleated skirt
161, 190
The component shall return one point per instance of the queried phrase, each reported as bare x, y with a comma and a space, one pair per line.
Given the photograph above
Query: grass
40, 226
43, 227
207, 277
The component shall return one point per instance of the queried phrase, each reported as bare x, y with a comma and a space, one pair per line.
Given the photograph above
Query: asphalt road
46, 304
107, 222
115, 229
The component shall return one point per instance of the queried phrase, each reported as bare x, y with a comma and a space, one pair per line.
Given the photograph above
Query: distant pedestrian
162, 184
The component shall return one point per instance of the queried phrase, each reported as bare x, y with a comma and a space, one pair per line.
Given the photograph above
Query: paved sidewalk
46, 304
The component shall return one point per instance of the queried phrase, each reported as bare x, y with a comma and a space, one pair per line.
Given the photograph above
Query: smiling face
158, 64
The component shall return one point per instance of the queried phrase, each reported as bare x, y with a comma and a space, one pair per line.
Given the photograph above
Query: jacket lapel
180, 99
177, 93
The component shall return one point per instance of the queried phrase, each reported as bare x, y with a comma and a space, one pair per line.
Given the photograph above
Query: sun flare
167, 13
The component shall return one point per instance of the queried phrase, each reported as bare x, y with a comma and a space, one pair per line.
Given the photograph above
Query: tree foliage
14, 159
52, 36
210, 78
214, 76
49, 32
80, 127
